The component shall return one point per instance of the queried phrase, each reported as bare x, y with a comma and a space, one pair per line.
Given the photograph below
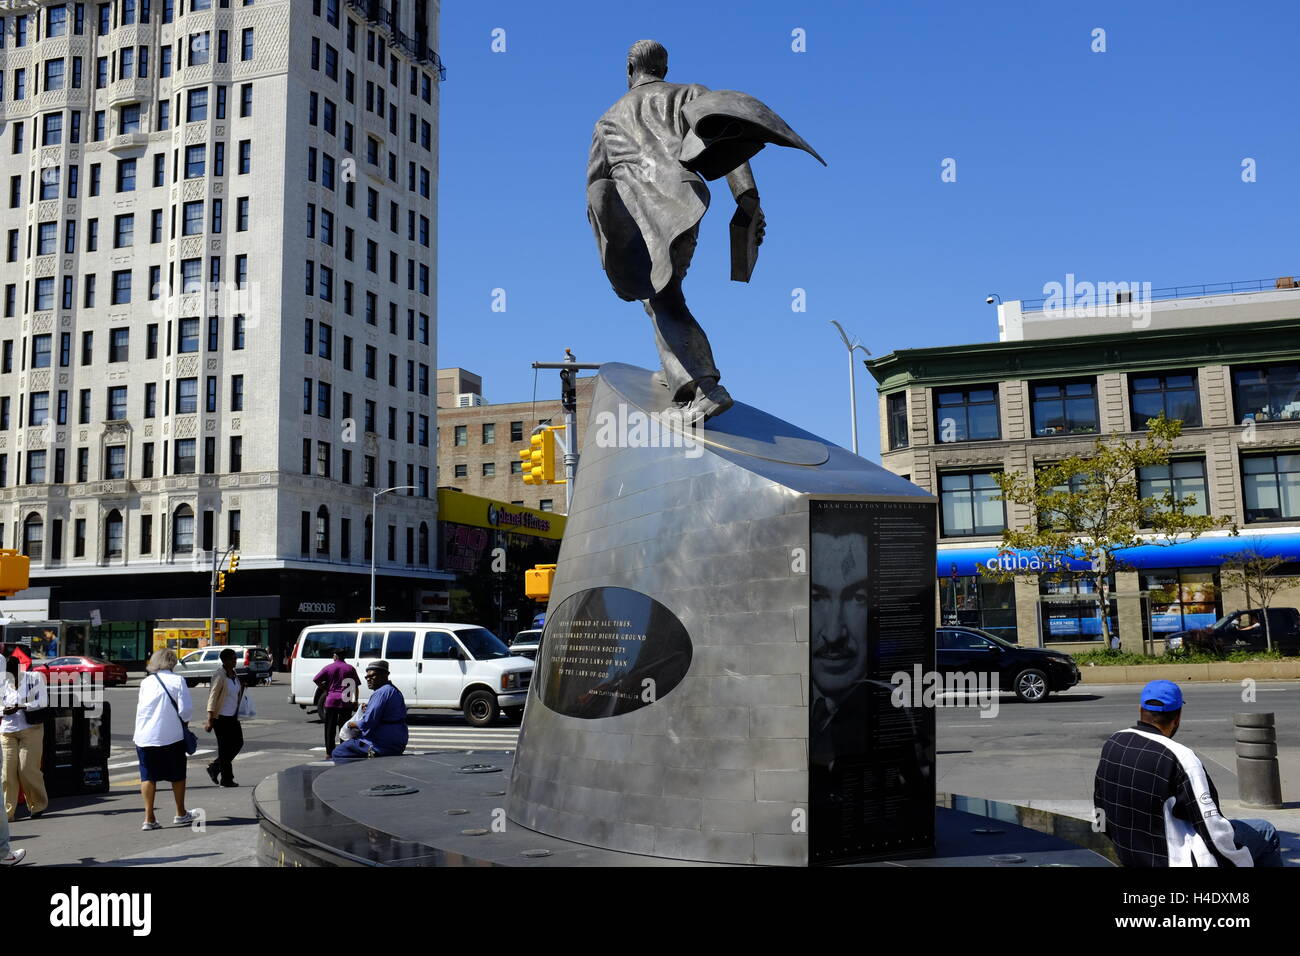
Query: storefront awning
1204, 552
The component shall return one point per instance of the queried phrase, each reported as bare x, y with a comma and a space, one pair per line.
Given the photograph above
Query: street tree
1087, 510
1256, 573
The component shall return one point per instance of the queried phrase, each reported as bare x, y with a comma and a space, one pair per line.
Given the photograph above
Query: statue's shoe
707, 405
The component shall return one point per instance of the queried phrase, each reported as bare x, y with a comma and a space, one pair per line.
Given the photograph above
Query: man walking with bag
226, 704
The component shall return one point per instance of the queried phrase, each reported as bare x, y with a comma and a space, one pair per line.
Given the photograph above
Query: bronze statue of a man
650, 155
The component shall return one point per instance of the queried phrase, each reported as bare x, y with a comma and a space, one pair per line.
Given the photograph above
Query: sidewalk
1141, 673
1287, 820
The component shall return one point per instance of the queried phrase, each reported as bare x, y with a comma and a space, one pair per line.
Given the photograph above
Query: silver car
252, 664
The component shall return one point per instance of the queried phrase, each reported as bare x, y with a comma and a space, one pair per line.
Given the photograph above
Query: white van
436, 666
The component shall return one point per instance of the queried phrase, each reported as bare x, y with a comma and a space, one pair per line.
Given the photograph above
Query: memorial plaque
609, 651
871, 751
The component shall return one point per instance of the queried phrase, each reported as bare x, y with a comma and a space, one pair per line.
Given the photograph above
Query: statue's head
646, 56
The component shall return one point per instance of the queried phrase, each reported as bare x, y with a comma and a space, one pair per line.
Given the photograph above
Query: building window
896, 414
185, 455
1269, 393
970, 504
118, 340
323, 532
196, 106
188, 336
1064, 408
489, 434
38, 411
36, 467
34, 537
462, 471
1068, 609
183, 528
115, 461
121, 287
975, 600
967, 414
489, 469
113, 535
1182, 599
1172, 393
462, 434
1271, 486
1182, 477
236, 453
546, 504
187, 396
117, 403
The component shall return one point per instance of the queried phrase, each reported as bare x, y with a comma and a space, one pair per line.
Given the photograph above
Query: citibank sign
1019, 562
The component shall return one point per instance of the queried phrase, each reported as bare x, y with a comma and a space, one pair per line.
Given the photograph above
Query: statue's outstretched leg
688, 367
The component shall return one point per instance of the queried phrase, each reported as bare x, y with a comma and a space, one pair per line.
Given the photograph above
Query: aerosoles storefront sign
609, 651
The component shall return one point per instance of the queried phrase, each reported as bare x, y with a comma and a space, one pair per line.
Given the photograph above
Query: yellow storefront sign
459, 508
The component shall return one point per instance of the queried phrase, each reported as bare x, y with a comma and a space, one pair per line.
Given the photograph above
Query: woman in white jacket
162, 716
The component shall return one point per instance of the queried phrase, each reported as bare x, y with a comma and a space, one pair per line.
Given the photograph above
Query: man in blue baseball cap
1157, 803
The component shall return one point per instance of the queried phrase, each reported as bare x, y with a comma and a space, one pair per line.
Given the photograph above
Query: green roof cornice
1257, 342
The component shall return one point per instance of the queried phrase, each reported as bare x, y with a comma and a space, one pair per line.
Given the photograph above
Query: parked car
1031, 672
527, 644
252, 664
113, 675
436, 666
1242, 631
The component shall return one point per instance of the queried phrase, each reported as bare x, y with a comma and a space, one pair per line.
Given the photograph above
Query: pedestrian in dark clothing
224, 700
339, 683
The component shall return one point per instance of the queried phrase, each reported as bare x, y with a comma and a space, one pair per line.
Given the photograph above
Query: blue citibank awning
1204, 552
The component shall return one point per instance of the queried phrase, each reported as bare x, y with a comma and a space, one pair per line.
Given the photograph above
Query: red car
114, 675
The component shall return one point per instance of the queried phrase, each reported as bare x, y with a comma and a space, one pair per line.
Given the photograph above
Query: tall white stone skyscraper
220, 224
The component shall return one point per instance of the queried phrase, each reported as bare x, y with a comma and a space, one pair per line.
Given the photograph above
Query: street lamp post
374, 530
852, 345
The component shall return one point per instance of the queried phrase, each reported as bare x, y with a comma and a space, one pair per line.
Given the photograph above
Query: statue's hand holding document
747, 227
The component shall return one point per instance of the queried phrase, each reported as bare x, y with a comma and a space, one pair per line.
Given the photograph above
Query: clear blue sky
1122, 165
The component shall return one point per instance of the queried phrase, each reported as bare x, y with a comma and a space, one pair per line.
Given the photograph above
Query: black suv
1243, 631
1031, 672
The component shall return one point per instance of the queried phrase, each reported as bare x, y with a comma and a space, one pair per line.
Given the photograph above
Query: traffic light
234, 562
539, 459
14, 568
221, 581
538, 581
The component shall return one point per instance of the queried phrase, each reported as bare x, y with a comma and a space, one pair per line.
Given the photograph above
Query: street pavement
104, 830
1039, 755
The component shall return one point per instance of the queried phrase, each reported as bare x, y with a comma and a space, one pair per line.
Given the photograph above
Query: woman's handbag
191, 742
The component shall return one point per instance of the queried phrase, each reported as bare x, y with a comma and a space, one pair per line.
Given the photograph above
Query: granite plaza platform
447, 808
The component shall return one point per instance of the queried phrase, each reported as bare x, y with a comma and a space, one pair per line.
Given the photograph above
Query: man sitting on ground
380, 731
1159, 806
